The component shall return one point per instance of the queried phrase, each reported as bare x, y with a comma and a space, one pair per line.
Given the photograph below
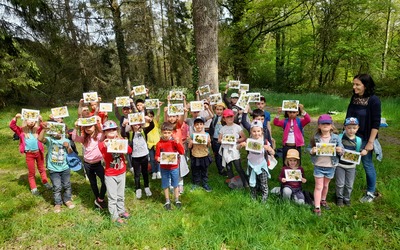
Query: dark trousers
93, 170
239, 169
217, 157
199, 173
140, 166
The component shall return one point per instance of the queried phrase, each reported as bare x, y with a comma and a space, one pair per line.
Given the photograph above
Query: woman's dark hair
149, 112
368, 83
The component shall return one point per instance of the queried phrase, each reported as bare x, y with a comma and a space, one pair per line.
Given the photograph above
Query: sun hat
109, 124
227, 112
325, 119
256, 123
351, 121
292, 154
234, 95
199, 119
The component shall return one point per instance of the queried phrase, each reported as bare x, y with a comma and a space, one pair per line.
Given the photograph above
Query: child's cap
199, 119
325, 119
109, 124
227, 112
205, 101
351, 121
292, 154
234, 95
221, 104
256, 123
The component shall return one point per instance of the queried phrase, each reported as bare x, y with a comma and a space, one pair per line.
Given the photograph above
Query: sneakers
178, 204
100, 204
158, 175
138, 193
347, 203
125, 215
57, 209
154, 176
119, 222
132, 171
69, 204
167, 206
368, 197
207, 188
35, 192
339, 202
147, 191
48, 186
317, 211
325, 205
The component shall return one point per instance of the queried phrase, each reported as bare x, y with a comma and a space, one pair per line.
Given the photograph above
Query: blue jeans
61, 180
155, 167
369, 168
169, 177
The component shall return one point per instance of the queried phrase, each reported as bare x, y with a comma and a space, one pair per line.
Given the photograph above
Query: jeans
155, 167
93, 170
61, 180
344, 182
140, 165
369, 168
217, 157
169, 178
31, 159
116, 195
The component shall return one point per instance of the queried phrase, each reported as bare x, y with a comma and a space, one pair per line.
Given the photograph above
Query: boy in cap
345, 172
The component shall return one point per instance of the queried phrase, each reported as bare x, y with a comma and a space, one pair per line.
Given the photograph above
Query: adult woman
366, 107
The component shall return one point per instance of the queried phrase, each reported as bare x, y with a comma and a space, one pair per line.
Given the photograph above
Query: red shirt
114, 162
168, 146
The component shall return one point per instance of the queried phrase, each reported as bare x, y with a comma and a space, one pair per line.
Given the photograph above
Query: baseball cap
221, 104
199, 119
109, 124
234, 95
256, 123
227, 112
351, 121
292, 154
325, 119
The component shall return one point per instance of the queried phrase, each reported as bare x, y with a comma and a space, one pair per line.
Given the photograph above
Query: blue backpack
358, 142
298, 124
74, 162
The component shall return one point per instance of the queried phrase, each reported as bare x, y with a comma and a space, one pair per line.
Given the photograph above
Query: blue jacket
317, 139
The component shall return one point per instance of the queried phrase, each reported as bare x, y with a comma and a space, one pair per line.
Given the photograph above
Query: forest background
52, 51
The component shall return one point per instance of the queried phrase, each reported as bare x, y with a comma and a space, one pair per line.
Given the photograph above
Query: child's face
325, 127
89, 129
292, 163
256, 132
126, 111
111, 133
260, 105
351, 130
292, 114
172, 118
198, 126
228, 120
234, 100
30, 123
195, 114
166, 134
219, 110
93, 105
260, 118
140, 106
136, 127
85, 112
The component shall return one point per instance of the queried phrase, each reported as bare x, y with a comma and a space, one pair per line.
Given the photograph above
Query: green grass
222, 219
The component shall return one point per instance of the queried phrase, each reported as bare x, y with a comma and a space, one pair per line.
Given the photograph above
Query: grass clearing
222, 219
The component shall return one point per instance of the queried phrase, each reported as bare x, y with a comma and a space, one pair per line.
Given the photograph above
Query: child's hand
76, 124
147, 92
81, 101
283, 180
313, 151
242, 144
197, 92
303, 180
269, 149
339, 150
148, 119
363, 152
18, 116
66, 144
165, 109
43, 125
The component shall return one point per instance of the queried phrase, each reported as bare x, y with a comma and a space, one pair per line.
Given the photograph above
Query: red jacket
168, 146
113, 165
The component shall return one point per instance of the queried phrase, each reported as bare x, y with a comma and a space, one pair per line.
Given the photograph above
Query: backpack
308, 198
298, 124
358, 142
74, 162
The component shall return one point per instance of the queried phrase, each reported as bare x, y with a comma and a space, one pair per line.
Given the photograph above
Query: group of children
191, 138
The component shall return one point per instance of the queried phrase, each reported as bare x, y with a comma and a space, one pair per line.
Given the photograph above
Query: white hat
256, 123
234, 95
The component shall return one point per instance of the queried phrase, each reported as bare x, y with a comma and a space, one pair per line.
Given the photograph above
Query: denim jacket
334, 139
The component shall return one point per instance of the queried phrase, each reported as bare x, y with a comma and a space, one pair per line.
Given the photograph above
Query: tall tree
205, 24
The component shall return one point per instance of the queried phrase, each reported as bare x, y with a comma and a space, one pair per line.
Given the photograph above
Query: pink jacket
298, 135
18, 130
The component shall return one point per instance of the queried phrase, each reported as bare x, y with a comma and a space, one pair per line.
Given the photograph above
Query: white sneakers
158, 175
147, 191
138, 193
154, 176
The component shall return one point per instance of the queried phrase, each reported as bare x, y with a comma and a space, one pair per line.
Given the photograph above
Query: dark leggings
93, 170
239, 169
140, 165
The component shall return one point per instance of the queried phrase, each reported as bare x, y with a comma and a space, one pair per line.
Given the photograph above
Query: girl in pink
292, 129
92, 159
32, 148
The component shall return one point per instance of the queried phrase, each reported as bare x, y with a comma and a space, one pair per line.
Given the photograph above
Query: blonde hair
287, 162
27, 130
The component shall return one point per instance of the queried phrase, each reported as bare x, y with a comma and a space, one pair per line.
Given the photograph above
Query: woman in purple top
366, 107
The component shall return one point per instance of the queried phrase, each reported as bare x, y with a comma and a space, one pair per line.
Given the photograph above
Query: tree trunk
387, 35
280, 59
205, 22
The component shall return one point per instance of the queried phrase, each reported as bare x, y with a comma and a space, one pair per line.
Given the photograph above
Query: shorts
169, 178
327, 172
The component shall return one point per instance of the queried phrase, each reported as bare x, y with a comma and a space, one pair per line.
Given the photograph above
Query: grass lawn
222, 219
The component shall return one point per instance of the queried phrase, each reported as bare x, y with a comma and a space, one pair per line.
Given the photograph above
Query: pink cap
325, 119
227, 112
